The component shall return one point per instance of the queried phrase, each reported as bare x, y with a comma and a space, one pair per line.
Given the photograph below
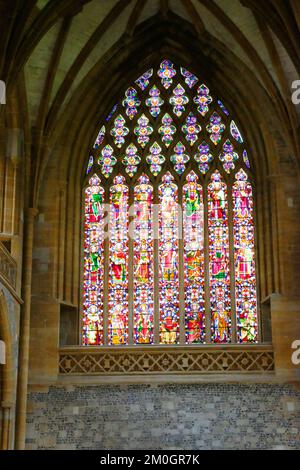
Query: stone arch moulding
99, 88
220, 69
96, 95
250, 359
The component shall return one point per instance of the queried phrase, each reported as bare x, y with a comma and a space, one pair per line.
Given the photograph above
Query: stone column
30, 214
6, 425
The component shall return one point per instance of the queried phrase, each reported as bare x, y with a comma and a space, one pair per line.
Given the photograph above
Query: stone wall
208, 416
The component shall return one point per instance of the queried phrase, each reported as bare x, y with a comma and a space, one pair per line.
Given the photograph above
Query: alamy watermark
296, 92
2, 92
296, 354
137, 221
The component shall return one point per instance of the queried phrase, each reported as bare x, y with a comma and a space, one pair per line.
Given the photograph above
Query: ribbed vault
216, 65
65, 50
72, 135
79, 58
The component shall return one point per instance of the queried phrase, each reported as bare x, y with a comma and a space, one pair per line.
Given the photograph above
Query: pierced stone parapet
204, 359
8, 267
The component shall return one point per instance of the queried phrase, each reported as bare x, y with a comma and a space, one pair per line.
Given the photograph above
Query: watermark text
2, 92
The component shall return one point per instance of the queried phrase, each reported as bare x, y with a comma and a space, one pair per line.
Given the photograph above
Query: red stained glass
219, 260
168, 261
143, 262
118, 264
177, 125
93, 263
245, 279
193, 225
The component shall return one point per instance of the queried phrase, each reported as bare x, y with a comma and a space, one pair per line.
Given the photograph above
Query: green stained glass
191, 129
179, 158
155, 101
178, 100
167, 130
143, 130
119, 131
155, 159
131, 160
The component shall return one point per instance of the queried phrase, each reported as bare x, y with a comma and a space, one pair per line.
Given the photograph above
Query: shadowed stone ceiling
230, 22
75, 57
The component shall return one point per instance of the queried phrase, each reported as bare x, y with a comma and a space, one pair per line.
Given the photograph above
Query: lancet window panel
169, 232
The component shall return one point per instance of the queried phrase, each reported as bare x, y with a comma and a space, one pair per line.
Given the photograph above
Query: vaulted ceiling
62, 48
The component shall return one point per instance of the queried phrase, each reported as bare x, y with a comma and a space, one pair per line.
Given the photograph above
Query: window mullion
155, 222
181, 269
106, 276
231, 263
206, 269
131, 234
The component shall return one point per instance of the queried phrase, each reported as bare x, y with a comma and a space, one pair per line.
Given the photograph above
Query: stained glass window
228, 157
119, 131
168, 261
178, 100
143, 131
143, 262
100, 137
107, 160
93, 262
204, 157
143, 80
224, 109
154, 102
167, 130
191, 129
193, 223
131, 160
112, 112
244, 258
215, 128
166, 73
234, 130
131, 102
189, 78
203, 99
219, 276
179, 158
169, 233
90, 165
118, 263
155, 159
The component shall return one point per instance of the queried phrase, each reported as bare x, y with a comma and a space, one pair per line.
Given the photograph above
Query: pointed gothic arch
167, 133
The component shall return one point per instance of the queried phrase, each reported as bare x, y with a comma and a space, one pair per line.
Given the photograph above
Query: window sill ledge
195, 360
